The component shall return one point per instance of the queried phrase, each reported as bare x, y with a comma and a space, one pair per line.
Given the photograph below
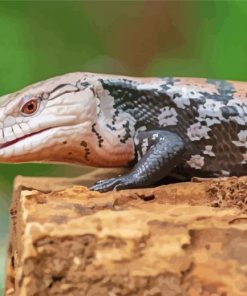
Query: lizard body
156, 126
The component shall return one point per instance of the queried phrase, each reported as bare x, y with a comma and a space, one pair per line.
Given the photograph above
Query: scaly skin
157, 126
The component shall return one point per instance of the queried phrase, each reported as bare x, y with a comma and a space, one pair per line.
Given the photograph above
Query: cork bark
172, 240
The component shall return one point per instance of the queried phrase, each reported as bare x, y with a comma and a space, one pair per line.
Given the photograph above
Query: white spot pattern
208, 150
242, 136
168, 116
225, 173
196, 161
244, 158
198, 131
241, 108
144, 146
185, 94
211, 108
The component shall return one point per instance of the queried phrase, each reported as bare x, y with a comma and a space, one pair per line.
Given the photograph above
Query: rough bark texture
173, 240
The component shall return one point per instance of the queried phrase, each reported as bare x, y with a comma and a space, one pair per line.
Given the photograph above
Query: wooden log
173, 240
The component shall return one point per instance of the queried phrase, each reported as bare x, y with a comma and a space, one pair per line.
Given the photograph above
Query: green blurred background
169, 38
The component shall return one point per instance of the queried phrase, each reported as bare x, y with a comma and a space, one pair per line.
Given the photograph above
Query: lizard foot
166, 151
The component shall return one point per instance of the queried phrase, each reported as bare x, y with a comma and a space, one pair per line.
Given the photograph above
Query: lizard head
44, 121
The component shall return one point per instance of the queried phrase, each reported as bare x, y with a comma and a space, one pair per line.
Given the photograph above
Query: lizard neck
104, 149
110, 140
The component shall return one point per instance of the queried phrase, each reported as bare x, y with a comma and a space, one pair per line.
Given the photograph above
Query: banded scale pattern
209, 115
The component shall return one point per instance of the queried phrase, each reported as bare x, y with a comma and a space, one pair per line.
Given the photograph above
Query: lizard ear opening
30, 107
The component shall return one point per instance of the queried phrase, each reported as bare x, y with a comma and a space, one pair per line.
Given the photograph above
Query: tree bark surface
172, 240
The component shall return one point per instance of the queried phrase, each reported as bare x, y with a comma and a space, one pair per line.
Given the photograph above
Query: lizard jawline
9, 143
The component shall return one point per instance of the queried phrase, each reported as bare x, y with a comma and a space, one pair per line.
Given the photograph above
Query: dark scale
99, 137
228, 111
111, 127
87, 153
83, 143
127, 133
86, 149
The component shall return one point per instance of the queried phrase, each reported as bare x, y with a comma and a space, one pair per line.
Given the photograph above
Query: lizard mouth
9, 143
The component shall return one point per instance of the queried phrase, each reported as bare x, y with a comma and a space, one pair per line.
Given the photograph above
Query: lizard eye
30, 107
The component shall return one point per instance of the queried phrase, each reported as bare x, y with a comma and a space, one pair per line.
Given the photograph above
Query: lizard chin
9, 143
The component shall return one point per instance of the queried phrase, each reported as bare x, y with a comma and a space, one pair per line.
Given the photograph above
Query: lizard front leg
159, 153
